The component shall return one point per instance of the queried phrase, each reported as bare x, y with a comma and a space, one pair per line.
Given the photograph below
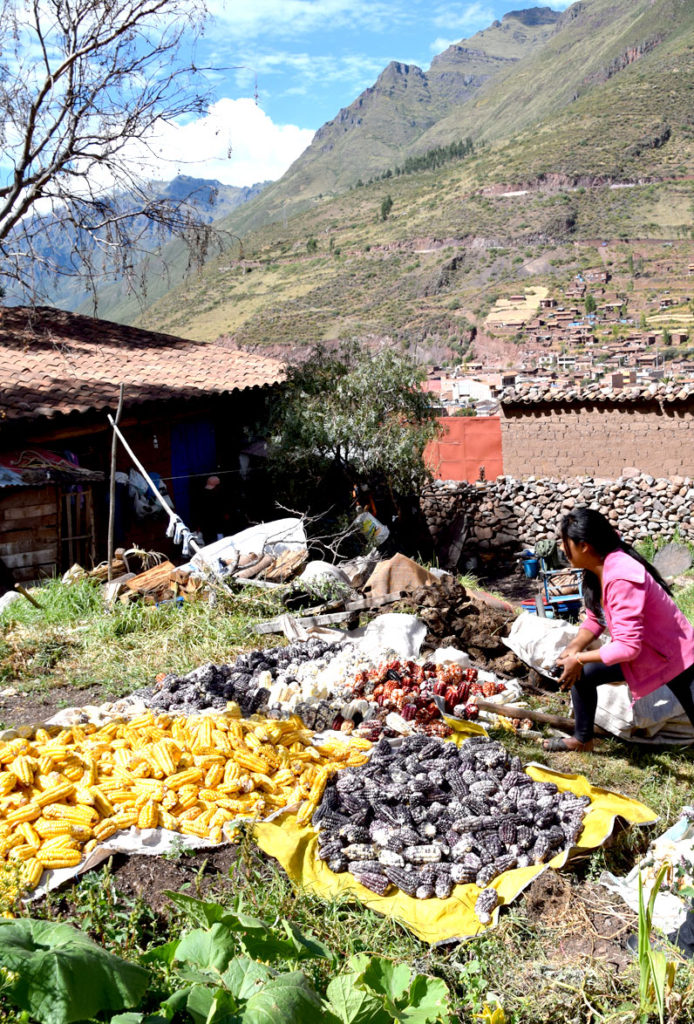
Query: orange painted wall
467, 443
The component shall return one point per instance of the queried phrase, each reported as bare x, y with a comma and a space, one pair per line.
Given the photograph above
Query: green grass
74, 641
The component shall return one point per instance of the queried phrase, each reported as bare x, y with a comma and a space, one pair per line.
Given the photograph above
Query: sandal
559, 744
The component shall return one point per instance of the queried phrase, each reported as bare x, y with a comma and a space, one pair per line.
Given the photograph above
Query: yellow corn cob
274, 732
232, 771
46, 764
318, 784
54, 794
163, 721
49, 829
42, 736
153, 788
27, 813
88, 847
284, 777
190, 814
233, 710
148, 816
163, 757
118, 797
59, 858
22, 852
306, 812
84, 795
187, 797
8, 780
101, 802
184, 778
31, 836
31, 872
143, 721
276, 800
75, 815
252, 742
105, 829
124, 819
221, 742
142, 770
167, 820
251, 762
235, 733
193, 829
264, 782
58, 843
356, 759
24, 767
214, 774
215, 835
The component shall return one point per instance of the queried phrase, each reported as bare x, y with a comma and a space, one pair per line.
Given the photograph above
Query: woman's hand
572, 669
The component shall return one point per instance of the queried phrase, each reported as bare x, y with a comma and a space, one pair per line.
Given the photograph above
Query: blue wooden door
193, 456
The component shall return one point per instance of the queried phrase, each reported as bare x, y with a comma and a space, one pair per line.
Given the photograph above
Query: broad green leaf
127, 1018
347, 1004
306, 947
165, 954
386, 978
62, 975
209, 950
224, 1009
198, 910
243, 977
427, 1001
288, 999
199, 1003
174, 1004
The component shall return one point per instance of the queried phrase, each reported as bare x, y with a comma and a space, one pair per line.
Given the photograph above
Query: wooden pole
25, 593
509, 711
112, 489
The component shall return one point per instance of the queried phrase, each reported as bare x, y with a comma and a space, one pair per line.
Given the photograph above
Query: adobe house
597, 429
189, 412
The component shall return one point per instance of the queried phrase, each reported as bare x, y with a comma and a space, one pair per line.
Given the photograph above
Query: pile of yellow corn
62, 794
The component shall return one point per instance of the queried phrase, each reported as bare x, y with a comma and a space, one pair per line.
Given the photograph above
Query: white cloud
464, 17
292, 18
235, 143
440, 44
287, 73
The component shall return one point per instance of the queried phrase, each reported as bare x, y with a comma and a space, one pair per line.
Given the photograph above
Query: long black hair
586, 525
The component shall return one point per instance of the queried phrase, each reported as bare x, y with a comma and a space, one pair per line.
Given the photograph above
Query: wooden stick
509, 711
25, 593
112, 488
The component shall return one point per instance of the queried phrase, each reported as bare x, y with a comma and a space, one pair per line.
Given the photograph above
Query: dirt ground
578, 921
33, 708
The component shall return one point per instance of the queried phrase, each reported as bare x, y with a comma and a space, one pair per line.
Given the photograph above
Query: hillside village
617, 327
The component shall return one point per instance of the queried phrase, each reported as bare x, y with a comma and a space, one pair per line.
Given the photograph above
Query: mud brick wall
577, 439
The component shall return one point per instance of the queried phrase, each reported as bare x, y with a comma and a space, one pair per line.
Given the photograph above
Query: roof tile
53, 361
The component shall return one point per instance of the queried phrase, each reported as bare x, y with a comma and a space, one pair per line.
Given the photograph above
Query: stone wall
583, 439
508, 513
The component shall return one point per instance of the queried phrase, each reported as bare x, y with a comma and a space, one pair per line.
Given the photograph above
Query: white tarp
264, 538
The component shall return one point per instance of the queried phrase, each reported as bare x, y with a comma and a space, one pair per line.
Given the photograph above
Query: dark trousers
584, 694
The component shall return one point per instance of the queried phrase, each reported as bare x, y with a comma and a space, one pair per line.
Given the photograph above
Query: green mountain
584, 117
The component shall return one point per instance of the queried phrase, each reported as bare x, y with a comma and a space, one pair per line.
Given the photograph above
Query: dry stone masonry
510, 513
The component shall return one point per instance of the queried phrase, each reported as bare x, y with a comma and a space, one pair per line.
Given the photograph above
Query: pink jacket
651, 639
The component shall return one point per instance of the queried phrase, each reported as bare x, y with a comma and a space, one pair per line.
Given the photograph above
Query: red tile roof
53, 362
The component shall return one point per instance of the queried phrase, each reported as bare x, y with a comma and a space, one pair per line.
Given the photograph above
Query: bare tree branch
84, 87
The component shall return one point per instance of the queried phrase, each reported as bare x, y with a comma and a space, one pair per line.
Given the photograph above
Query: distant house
597, 275
189, 410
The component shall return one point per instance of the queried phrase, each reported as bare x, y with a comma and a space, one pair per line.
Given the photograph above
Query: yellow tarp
436, 920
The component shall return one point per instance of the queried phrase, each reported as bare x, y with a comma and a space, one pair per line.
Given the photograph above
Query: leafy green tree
352, 417
591, 304
386, 206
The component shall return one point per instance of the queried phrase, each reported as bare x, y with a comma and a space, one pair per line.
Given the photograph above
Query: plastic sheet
437, 920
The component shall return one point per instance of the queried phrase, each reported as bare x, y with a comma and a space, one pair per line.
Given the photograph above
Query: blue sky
310, 58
